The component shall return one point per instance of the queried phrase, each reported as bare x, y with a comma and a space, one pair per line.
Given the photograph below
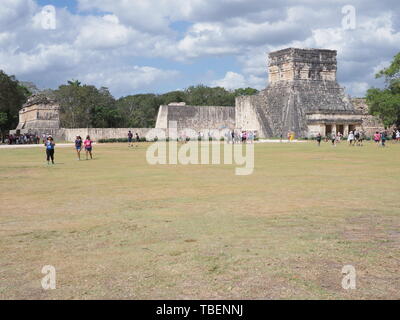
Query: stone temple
302, 96
39, 114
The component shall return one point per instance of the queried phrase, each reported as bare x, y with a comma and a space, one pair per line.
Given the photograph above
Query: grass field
118, 228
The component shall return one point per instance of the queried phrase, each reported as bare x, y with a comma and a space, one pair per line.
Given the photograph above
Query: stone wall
196, 118
106, 133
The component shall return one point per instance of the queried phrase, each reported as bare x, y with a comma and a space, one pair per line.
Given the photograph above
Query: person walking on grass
49, 144
88, 147
130, 138
383, 138
319, 138
350, 138
333, 139
361, 138
78, 146
377, 138
137, 139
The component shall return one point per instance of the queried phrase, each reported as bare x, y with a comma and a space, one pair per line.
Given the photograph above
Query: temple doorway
328, 129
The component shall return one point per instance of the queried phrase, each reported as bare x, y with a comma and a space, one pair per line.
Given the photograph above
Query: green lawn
116, 227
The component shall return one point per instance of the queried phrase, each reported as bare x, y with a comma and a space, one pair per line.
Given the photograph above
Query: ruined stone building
302, 96
39, 114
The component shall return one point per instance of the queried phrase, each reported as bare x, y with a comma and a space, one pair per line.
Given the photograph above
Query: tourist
88, 147
233, 136
137, 139
350, 138
398, 135
339, 137
377, 138
130, 137
361, 138
78, 146
394, 135
333, 139
356, 137
244, 137
383, 138
319, 138
49, 144
251, 137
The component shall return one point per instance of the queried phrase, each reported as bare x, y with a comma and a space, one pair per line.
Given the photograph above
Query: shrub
118, 140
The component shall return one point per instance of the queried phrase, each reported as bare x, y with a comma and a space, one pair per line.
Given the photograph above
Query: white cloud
113, 35
123, 80
233, 80
102, 32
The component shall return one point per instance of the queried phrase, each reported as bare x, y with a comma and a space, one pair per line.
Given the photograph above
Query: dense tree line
12, 97
87, 106
385, 103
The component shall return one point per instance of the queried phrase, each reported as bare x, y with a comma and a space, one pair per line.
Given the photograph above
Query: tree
385, 103
245, 92
205, 96
84, 106
139, 111
12, 97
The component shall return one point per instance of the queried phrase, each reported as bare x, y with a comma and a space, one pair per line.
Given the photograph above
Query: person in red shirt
88, 147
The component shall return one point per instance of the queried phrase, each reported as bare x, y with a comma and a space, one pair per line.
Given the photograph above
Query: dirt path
22, 146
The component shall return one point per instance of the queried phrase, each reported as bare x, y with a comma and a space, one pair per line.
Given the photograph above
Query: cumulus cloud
128, 79
115, 41
233, 80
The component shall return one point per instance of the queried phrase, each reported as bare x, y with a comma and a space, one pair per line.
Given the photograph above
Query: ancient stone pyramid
301, 82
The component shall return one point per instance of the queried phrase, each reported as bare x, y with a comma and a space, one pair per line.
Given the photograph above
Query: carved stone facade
302, 64
39, 113
303, 97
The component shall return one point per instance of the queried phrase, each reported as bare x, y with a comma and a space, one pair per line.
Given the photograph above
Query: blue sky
161, 45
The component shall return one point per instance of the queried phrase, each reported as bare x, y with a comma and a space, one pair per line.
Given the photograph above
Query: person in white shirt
350, 138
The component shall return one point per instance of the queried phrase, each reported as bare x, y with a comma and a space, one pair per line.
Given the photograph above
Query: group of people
396, 135
87, 144
357, 137
130, 138
26, 138
242, 136
231, 136
79, 145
